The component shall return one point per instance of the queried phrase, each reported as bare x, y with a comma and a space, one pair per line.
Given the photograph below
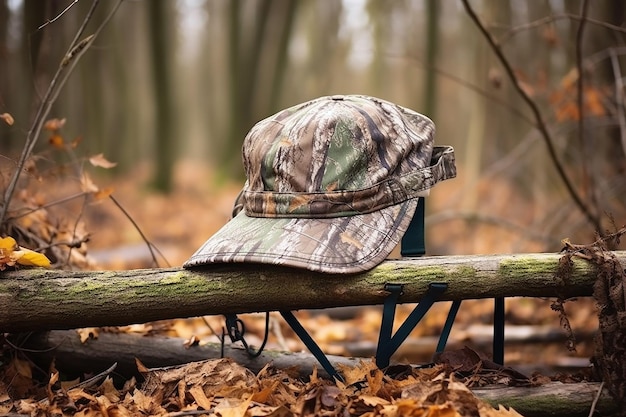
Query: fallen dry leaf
233, 407
100, 161
88, 333
200, 398
8, 119
87, 185
54, 124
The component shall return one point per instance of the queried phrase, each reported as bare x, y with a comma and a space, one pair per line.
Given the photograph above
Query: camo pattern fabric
332, 185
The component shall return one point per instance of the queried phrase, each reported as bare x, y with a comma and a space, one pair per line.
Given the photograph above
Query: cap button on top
337, 97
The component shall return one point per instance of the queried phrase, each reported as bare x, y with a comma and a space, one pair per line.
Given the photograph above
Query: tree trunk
433, 8
164, 116
37, 299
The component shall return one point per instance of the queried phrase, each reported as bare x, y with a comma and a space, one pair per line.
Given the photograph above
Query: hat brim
334, 245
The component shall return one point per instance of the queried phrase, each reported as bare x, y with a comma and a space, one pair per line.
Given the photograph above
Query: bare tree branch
553, 18
587, 182
619, 97
57, 17
541, 124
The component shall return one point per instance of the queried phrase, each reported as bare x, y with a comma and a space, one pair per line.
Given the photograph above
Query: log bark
37, 299
72, 356
552, 399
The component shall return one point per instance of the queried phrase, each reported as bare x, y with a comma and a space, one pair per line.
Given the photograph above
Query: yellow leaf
8, 119
100, 161
7, 248
7, 244
28, 257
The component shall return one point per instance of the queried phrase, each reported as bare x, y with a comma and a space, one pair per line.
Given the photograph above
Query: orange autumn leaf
56, 141
8, 119
593, 102
103, 193
74, 144
87, 333
100, 161
54, 124
565, 103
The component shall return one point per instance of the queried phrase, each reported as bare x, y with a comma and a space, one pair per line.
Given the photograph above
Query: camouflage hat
332, 185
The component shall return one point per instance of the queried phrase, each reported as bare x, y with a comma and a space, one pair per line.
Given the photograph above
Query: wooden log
72, 356
552, 399
37, 299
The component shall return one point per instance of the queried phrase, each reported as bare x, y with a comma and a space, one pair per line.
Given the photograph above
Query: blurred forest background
169, 89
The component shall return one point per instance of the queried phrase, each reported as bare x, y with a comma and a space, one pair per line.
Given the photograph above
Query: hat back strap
413, 242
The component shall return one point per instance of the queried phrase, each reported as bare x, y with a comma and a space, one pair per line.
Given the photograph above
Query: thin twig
550, 19
595, 400
23, 349
219, 337
619, 98
95, 379
475, 88
541, 124
598, 56
503, 223
57, 17
48, 205
191, 412
83, 26
151, 247
76, 224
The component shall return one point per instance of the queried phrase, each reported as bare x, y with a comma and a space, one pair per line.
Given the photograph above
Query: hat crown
335, 144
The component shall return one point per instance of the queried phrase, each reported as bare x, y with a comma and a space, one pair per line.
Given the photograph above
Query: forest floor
177, 224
